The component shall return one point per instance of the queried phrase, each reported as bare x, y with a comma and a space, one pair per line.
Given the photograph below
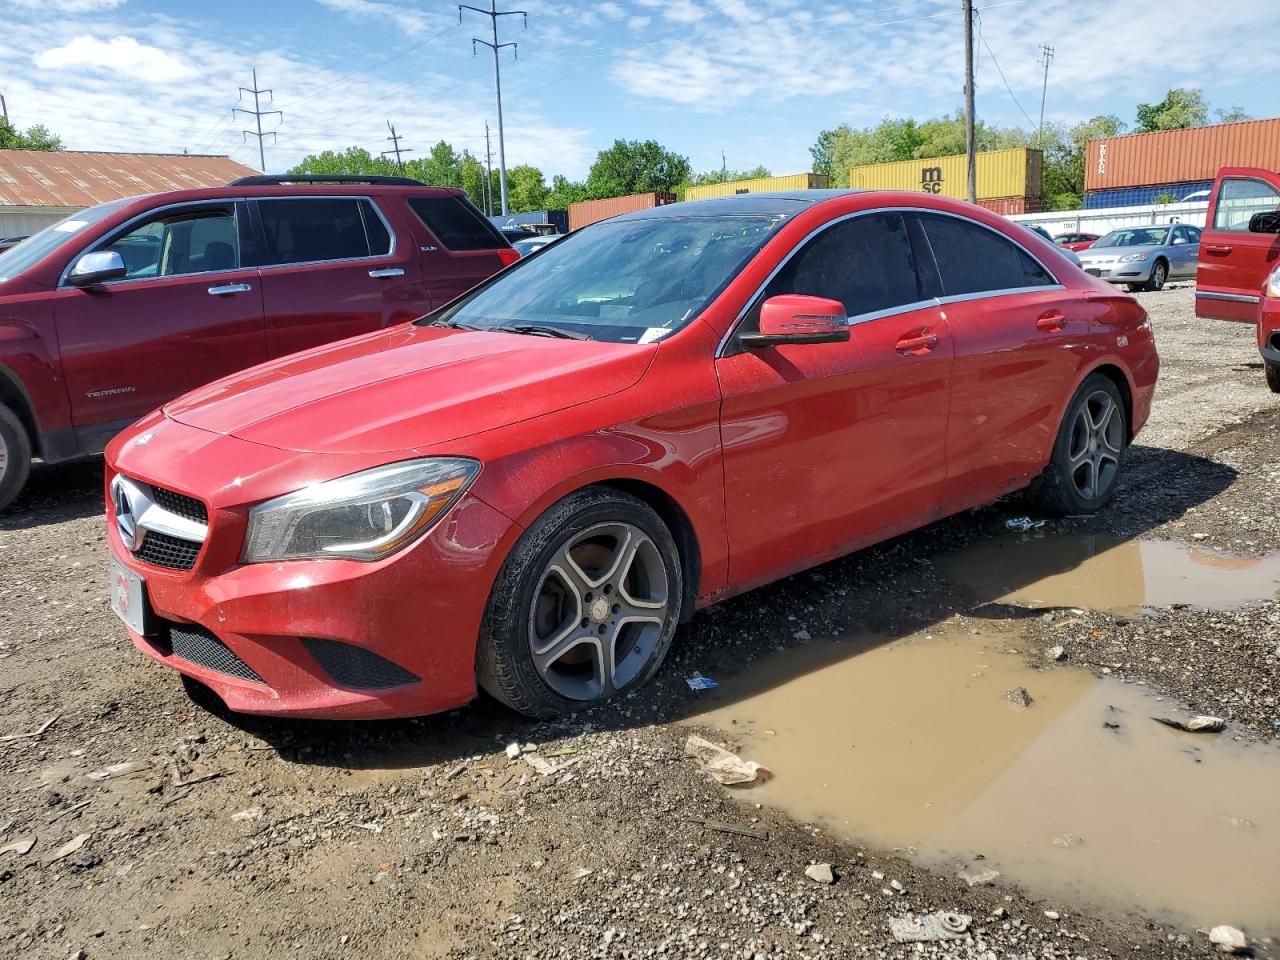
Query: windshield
1135, 237
39, 245
629, 281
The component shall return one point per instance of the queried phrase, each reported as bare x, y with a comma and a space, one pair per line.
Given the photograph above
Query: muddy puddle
1081, 797
1102, 573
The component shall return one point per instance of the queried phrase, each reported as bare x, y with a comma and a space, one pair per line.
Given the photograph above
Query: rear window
315, 229
456, 224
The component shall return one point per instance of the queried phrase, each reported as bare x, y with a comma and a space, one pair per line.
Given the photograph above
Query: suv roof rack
271, 180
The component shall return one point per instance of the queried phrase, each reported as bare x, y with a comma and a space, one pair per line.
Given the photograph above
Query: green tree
1232, 115
351, 160
1181, 107
37, 137
1064, 158
564, 192
526, 189
471, 172
728, 176
633, 166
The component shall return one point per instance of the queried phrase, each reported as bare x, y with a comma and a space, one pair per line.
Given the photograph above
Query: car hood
1105, 253
408, 387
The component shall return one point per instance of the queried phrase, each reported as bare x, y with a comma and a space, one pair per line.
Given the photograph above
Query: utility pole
724, 166
971, 160
257, 113
488, 172
395, 139
493, 13
1046, 57
4, 108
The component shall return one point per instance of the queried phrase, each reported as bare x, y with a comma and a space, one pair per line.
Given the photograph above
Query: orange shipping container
592, 211
1008, 206
1190, 155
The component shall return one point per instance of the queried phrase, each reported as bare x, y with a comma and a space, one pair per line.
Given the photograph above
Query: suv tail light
508, 255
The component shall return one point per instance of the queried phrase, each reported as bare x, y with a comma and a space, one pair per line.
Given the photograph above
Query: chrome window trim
903, 308
145, 215
340, 196
1232, 297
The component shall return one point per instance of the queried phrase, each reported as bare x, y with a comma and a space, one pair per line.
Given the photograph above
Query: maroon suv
117, 309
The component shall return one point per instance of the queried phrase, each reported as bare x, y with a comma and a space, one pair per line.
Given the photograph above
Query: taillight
508, 255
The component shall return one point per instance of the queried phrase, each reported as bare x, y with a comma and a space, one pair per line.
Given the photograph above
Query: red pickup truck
1239, 273
117, 309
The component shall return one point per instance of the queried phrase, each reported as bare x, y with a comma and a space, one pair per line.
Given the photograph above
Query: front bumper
1269, 329
1137, 271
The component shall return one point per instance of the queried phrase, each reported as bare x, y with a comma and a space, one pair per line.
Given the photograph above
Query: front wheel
1085, 463
1159, 274
1273, 375
584, 608
15, 456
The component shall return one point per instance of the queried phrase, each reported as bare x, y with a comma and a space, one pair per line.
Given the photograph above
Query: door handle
1050, 322
916, 345
1217, 248
229, 288
386, 272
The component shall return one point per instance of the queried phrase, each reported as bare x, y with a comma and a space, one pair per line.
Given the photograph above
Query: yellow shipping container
1001, 173
796, 181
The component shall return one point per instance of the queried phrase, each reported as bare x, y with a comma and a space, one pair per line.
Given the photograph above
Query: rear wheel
1085, 464
1273, 375
15, 456
1159, 274
584, 608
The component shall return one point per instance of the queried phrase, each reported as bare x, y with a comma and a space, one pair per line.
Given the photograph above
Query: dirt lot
237, 837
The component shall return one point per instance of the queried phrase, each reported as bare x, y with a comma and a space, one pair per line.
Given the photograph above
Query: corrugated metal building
1137, 168
795, 181
1002, 175
40, 187
587, 212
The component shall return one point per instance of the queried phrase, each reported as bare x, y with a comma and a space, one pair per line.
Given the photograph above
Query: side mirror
97, 267
1265, 222
1178, 240
797, 318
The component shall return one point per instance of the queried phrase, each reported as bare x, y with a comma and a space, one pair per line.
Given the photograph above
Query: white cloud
410, 21
69, 6
123, 55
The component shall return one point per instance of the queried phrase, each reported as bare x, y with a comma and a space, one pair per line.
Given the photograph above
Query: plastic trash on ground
725, 767
698, 682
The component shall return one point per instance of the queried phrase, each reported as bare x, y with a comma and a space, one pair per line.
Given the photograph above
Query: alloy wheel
1159, 274
1097, 441
598, 612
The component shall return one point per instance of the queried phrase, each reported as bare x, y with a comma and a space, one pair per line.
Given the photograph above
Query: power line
493, 13
1000, 70
395, 139
258, 113
1046, 57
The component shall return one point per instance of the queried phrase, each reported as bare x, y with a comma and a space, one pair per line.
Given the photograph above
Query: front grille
355, 667
180, 504
199, 646
172, 553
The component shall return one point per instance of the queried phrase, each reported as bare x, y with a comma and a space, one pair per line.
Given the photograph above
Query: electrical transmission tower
395, 139
1046, 57
493, 13
258, 113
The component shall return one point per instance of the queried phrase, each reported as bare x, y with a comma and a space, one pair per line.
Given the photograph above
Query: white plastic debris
1023, 524
697, 681
725, 767
1228, 939
933, 926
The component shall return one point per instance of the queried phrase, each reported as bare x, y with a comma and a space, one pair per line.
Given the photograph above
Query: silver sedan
1144, 258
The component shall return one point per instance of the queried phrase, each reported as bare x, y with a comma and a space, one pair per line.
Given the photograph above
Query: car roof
741, 204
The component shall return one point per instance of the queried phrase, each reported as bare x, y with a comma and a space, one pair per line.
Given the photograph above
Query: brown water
1102, 573
912, 745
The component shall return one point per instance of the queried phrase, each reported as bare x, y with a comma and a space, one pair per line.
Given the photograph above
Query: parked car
1076, 241
119, 308
531, 244
1043, 234
1237, 279
533, 486
1144, 258
7, 243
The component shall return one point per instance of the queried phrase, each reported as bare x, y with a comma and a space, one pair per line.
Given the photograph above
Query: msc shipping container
587, 212
1001, 174
1141, 196
533, 218
1190, 155
796, 181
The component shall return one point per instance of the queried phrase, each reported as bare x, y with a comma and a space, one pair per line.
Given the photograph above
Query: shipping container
1139, 196
1008, 206
588, 212
796, 181
559, 219
1190, 155
1000, 174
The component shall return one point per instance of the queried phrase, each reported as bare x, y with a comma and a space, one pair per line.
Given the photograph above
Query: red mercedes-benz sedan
528, 489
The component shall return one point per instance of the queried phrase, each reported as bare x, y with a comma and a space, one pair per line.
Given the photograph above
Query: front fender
31, 376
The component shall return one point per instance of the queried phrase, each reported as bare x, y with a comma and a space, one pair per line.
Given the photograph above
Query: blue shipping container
1143, 196
557, 218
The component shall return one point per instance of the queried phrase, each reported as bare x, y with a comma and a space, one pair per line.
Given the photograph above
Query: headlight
1132, 257
366, 516
1273, 283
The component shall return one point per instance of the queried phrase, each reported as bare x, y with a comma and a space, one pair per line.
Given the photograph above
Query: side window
975, 259
375, 230
1239, 199
456, 224
1193, 234
866, 262
180, 243
312, 229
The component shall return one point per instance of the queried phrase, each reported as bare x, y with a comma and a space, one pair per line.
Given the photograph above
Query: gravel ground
238, 837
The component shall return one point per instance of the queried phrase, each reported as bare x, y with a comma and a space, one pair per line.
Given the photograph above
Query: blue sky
755, 78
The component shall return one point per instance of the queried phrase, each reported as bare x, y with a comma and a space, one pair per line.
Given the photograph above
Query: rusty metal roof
45, 178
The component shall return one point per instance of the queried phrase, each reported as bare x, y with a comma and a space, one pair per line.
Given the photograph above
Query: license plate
129, 596
1093, 271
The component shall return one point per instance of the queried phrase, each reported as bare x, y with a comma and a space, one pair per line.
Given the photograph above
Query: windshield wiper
538, 330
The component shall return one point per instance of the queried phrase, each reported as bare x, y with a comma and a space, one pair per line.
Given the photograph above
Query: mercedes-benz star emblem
126, 522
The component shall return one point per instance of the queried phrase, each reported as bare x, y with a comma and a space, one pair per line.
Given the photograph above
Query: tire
1159, 274
15, 456
598, 573
1135, 287
1273, 375
1087, 454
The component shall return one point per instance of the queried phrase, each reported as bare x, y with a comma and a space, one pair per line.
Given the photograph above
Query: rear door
1184, 251
331, 268
459, 246
1234, 262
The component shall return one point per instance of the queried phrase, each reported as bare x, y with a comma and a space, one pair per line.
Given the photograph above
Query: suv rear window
313, 229
456, 224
